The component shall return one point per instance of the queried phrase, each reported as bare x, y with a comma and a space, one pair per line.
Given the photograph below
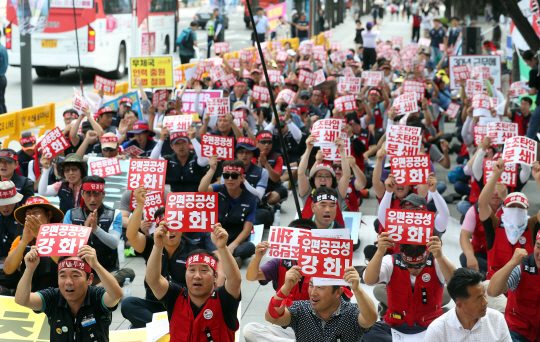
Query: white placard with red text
453, 110
217, 73
307, 77
215, 145
284, 242
238, 117
424, 42
319, 53
403, 141
335, 46
218, 106
282, 56
306, 47
326, 131
178, 123
105, 167
221, 47
287, 95
480, 73
324, 258
260, 94
274, 75
102, 83
246, 55
500, 131
473, 87
320, 77
234, 62
331, 151
132, 151
179, 76
158, 97
372, 78
406, 104
54, 143
328, 34
79, 102
481, 104
58, 239
415, 87
520, 150
412, 170
191, 211
347, 72
339, 56
350, 84
412, 227
154, 201
147, 172
229, 80
346, 103
397, 40
508, 177
516, 89
461, 72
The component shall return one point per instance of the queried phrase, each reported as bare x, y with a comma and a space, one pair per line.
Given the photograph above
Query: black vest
233, 218
9, 230
67, 198
184, 178
107, 257
254, 174
293, 148
23, 160
272, 160
20, 182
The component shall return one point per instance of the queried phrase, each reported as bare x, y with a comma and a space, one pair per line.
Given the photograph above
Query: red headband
36, 200
233, 168
373, 91
414, 259
263, 136
159, 219
176, 135
240, 84
201, 259
93, 187
105, 110
8, 193
68, 115
108, 140
141, 126
244, 140
538, 235
29, 140
8, 154
76, 264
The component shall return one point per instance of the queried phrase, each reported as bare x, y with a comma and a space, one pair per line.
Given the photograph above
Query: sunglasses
108, 149
304, 98
336, 166
418, 266
265, 142
70, 169
231, 175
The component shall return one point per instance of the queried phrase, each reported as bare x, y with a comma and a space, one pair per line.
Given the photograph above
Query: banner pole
276, 116
78, 52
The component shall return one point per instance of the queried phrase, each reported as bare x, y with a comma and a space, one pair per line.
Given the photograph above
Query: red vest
186, 328
523, 307
475, 189
501, 252
522, 121
378, 117
364, 138
464, 151
394, 205
421, 306
479, 241
300, 290
308, 213
352, 198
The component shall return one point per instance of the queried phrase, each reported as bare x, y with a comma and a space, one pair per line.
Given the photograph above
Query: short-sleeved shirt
250, 217
302, 34
91, 323
437, 36
261, 25
309, 327
492, 223
229, 305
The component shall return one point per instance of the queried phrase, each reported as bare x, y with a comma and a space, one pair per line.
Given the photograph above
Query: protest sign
274, 75
54, 143
328, 34
320, 77
108, 86
516, 89
397, 40
415, 87
473, 87
154, 72
188, 99
284, 242
410, 170
221, 47
481, 104
58, 239
407, 64
105, 168
79, 102
229, 80
520, 150
177, 123
179, 76
335, 46
480, 132
305, 48
154, 201
307, 77
350, 84
347, 72
216, 145
246, 55
324, 258
260, 93
424, 42
372, 78
319, 54
326, 131
132, 151
234, 62
493, 62
500, 131
238, 117
453, 110
508, 177
412, 227
461, 72
403, 141
406, 104
218, 106
217, 73
331, 151
158, 97
345, 103
191, 211
136, 105
480, 73
287, 95
339, 56
147, 172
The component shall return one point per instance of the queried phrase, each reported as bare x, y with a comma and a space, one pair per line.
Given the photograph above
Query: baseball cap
139, 127
8, 154
28, 141
414, 199
249, 144
86, 126
369, 25
109, 140
321, 166
126, 101
304, 93
175, 136
517, 197
105, 110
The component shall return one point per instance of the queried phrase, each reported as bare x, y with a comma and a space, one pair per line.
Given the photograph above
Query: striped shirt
513, 281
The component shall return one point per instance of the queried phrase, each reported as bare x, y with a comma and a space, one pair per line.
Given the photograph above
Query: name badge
88, 321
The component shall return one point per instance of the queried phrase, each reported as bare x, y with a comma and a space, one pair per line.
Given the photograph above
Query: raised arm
73, 136
360, 179
230, 267
373, 269
303, 182
254, 271
205, 186
483, 200
44, 189
154, 279
368, 313
378, 185
137, 239
24, 295
97, 128
276, 313
498, 283
237, 131
447, 268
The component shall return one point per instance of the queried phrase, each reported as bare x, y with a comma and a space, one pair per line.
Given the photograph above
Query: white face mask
515, 222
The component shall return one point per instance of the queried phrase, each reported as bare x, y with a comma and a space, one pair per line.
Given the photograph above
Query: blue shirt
261, 25
232, 202
4, 62
116, 225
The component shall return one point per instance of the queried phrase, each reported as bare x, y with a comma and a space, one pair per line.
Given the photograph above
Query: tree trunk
340, 12
515, 66
522, 24
448, 12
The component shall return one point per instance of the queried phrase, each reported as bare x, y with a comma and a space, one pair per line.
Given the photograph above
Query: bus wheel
53, 73
121, 66
41, 72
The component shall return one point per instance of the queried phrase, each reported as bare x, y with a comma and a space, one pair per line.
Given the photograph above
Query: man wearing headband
109, 146
90, 125
35, 212
237, 206
177, 247
198, 311
124, 105
324, 208
326, 316
519, 279
415, 279
238, 94
26, 154
70, 115
378, 102
106, 224
105, 117
141, 132
8, 166
77, 311
273, 163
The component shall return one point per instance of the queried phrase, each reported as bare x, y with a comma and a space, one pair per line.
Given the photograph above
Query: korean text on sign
217, 73
516, 89
133, 151
221, 47
108, 86
324, 258
158, 97
335, 46
500, 131
350, 84
410, 227
284, 242
147, 172
396, 40
339, 56
260, 93
331, 151
473, 87
287, 95
453, 110
406, 104
106, 167
154, 72
79, 102
461, 72
229, 80
403, 141
154, 201
372, 78
216, 145
414, 87
54, 143
410, 170
326, 131
307, 77
274, 75
178, 122
480, 73
218, 106
508, 177
191, 211
520, 150
238, 117
346, 103
61, 239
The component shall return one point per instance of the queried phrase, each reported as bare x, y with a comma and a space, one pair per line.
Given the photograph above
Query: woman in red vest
198, 312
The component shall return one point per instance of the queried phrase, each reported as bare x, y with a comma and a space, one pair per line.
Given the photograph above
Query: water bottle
277, 217
127, 288
121, 255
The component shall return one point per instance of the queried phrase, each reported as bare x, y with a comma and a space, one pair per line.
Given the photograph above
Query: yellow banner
18, 323
154, 72
35, 116
8, 124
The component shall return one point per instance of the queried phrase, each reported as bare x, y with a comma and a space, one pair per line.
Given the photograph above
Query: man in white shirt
471, 320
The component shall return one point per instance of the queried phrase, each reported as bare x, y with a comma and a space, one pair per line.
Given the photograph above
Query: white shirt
387, 267
490, 328
370, 38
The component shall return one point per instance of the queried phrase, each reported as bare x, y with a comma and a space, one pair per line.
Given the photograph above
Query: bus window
162, 6
116, 6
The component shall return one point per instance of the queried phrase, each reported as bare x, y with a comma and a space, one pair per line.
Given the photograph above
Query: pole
26, 70
276, 116
78, 52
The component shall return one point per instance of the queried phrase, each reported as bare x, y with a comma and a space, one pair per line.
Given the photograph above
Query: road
61, 88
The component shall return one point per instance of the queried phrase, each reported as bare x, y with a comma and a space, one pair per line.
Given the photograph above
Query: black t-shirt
229, 305
303, 34
534, 82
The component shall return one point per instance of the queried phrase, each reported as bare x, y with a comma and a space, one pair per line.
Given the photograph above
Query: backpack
185, 39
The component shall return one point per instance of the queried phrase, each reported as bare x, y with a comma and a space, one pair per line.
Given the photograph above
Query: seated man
471, 319
198, 311
141, 132
75, 297
415, 279
237, 206
106, 226
8, 165
324, 208
521, 277
173, 262
325, 316
273, 163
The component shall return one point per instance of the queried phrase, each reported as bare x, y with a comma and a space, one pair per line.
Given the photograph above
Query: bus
108, 34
